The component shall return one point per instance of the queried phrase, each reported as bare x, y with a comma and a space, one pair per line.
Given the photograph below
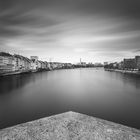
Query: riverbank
23, 72
15, 73
38, 70
124, 71
70, 125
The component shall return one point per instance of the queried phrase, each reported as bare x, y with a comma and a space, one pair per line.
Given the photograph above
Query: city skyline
67, 30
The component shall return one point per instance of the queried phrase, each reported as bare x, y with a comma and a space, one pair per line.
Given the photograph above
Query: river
111, 96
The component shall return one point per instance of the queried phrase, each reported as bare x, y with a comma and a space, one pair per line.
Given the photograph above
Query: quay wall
70, 126
125, 71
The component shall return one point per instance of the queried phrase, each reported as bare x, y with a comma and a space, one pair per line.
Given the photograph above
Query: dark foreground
70, 126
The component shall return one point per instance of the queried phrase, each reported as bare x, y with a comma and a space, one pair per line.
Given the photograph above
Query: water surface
108, 95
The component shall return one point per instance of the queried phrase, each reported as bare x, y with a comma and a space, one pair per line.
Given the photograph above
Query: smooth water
108, 95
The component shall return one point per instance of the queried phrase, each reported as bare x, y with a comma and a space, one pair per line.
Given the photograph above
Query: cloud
52, 27
135, 51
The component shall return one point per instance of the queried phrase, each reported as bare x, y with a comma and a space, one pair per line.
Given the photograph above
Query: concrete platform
69, 126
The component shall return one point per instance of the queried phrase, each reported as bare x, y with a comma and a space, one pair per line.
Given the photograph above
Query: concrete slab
70, 126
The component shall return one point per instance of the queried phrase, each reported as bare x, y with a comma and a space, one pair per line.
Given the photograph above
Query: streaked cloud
67, 29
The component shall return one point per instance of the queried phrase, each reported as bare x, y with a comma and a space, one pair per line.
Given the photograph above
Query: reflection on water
109, 95
9, 83
132, 79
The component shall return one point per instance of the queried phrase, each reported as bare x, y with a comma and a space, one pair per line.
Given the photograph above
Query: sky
67, 30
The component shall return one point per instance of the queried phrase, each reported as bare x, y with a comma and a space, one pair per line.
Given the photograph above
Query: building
105, 63
115, 65
6, 62
56, 65
34, 63
49, 65
39, 65
137, 61
27, 63
98, 65
34, 58
129, 63
18, 62
22, 63
67, 65
89, 64
120, 65
44, 65
81, 64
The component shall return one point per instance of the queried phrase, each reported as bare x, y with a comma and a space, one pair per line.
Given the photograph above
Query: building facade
129, 64
6, 62
34, 63
137, 59
22, 63
120, 65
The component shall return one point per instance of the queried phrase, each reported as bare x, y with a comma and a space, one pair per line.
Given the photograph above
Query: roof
22, 57
70, 126
5, 54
